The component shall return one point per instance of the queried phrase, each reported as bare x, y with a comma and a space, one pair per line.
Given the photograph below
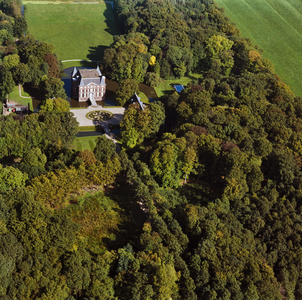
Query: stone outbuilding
136, 99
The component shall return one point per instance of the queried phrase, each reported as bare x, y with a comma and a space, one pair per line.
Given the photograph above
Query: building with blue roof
178, 87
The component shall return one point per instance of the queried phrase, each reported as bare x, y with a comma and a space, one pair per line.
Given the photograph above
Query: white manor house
88, 84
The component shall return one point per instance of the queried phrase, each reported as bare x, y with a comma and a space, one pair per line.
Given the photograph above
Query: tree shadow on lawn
111, 22
95, 53
195, 80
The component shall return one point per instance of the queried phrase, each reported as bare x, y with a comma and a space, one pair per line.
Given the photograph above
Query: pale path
20, 93
78, 59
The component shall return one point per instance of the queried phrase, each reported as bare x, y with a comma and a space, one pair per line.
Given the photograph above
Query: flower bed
99, 115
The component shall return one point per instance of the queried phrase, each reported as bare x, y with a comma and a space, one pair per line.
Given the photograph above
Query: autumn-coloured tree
52, 61
87, 157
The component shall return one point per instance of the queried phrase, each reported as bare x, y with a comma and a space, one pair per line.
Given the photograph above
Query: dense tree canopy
203, 201
23, 59
56, 104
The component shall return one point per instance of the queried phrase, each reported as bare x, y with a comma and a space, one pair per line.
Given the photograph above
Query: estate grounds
78, 31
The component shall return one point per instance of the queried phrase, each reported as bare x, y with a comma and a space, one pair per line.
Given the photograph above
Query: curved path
78, 59
21, 94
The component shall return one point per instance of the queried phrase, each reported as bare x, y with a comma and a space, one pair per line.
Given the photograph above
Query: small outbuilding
178, 87
136, 99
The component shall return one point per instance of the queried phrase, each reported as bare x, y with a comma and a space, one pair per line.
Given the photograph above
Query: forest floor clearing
166, 86
85, 142
76, 31
276, 27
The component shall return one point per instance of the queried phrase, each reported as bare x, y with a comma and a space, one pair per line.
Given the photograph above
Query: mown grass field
276, 27
78, 31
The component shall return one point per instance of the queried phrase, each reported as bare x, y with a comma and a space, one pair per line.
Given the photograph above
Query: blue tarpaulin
178, 88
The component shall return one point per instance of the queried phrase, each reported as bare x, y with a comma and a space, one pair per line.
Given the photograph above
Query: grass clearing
144, 98
87, 128
166, 86
109, 219
78, 31
83, 63
99, 217
14, 95
276, 27
85, 142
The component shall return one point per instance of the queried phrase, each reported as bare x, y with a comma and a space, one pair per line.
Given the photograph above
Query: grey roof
74, 71
98, 69
138, 99
96, 81
89, 73
90, 76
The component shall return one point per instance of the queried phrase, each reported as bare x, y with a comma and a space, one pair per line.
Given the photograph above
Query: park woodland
201, 196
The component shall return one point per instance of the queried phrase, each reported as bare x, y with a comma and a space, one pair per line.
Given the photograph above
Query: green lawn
78, 31
87, 128
166, 86
82, 143
144, 98
14, 95
56, 1
276, 27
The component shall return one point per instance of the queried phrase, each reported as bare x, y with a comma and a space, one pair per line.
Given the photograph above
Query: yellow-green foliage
99, 218
104, 174
11, 178
53, 189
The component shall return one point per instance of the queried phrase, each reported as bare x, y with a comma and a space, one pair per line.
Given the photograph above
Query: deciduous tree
125, 91
52, 88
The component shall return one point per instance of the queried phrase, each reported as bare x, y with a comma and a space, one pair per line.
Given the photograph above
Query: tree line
203, 201
23, 59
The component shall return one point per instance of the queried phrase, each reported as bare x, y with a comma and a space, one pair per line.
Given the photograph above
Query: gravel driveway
80, 114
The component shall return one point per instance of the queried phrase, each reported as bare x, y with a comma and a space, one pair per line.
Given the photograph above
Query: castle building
88, 84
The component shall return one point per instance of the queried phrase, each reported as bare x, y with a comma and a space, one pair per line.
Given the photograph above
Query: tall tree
125, 91
7, 83
52, 88
20, 26
104, 149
